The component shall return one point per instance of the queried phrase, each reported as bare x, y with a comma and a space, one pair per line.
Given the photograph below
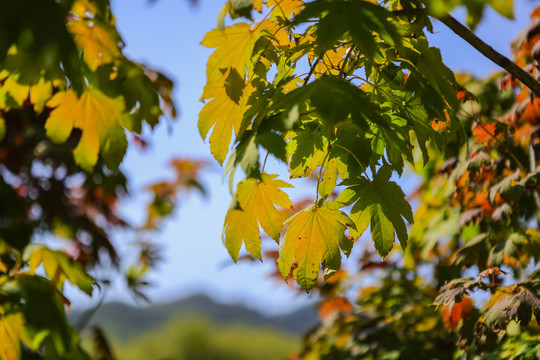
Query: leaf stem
264, 163
265, 17
355, 158
345, 61
320, 174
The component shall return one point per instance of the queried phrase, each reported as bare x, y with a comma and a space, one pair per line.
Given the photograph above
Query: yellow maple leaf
231, 60
279, 35
82, 7
11, 334
40, 93
285, 8
314, 236
333, 168
312, 153
12, 93
224, 115
332, 61
99, 43
257, 200
98, 116
234, 50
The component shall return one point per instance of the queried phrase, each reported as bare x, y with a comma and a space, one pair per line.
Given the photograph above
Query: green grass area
197, 338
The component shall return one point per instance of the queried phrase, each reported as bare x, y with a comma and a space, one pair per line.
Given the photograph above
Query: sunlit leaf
234, 50
382, 204
97, 41
224, 116
11, 333
98, 117
40, 93
314, 236
359, 18
58, 266
257, 201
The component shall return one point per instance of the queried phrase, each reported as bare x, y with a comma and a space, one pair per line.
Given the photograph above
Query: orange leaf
484, 133
536, 13
454, 313
332, 305
438, 126
531, 112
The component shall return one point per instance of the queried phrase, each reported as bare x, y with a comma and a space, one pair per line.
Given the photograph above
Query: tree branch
490, 53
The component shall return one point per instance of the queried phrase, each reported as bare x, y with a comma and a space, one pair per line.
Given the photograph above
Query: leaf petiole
356, 158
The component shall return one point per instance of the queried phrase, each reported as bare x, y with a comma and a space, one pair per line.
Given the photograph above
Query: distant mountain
126, 321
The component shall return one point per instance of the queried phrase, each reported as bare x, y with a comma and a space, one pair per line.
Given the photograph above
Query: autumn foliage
358, 97
346, 93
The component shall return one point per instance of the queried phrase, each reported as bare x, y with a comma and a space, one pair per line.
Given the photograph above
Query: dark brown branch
490, 53
486, 50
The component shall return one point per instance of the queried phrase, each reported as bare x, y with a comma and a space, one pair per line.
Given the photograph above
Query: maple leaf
234, 50
12, 93
223, 115
11, 333
58, 266
495, 317
452, 314
98, 42
307, 150
98, 116
382, 203
257, 201
226, 71
522, 306
314, 236
285, 8
40, 93
333, 167
357, 18
81, 8
332, 305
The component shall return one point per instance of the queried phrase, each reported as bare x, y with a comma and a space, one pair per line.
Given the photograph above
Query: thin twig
312, 69
532, 166
505, 145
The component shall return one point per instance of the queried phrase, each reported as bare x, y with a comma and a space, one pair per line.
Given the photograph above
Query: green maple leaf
358, 18
522, 306
98, 116
335, 100
307, 150
380, 203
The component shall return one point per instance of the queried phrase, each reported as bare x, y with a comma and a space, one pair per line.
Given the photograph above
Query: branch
490, 53
477, 43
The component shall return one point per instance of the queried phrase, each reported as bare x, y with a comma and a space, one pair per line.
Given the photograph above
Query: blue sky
166, 35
